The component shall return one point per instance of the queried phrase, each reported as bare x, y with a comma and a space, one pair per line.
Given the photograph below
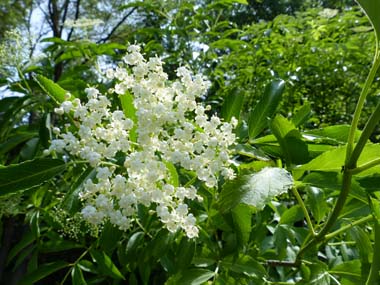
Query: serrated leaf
29, 174
255, 189
232, 105
266, 108
43, 271
106, 265
56, 92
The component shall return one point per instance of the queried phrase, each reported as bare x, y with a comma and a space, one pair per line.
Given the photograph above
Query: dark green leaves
29, 174
106, 266
266, 108
294, 149
233, 104
43, 271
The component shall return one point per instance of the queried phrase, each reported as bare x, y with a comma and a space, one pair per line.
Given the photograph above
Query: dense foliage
120, 163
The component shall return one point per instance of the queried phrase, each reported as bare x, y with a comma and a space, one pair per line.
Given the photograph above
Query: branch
116, 27
77, 6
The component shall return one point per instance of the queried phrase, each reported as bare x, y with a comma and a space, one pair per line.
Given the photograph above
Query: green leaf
109, 238
29, 174
71, 202
195, 276
56, 92
14, 141
26, 240
106, 265
241, 217
43, 271
332, 134
77, 276
266, 108
185, 253
349, 270
293, 148
173, 174
129, 109
302, 115
372, 8
334, 160
292, 215
232, 105
316, 202
363, 244
246, 265
255, 189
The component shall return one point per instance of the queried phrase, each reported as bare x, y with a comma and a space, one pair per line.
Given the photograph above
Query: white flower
169, 127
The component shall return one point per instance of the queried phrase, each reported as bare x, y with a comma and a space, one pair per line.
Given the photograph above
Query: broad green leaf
29, 150
292, 215
29, 174
129, 110
244, 264
332, 134
77, 276
106, 265
56, 92
349, 270
252, 152
316, 202
195, 276
256, 189
266, 108
132, 244
363, 244
372, 8
334, 160
302, 115
294, 149
242, 216
109, 238
232, 105
43, 271
185, 253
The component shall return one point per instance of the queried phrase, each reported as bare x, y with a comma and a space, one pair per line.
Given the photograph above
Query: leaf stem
365, 166
348, 226
304, 210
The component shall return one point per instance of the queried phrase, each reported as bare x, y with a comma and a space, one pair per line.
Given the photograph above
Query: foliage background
323, 55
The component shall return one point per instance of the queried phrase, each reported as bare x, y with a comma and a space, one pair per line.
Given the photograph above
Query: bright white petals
170, 128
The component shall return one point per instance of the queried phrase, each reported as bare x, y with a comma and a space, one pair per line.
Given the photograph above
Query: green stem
365, 166
350, 225
304, 210
374, 274
367, 131
346, 185
360, 104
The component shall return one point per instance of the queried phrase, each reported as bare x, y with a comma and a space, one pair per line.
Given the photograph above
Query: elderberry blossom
168, 128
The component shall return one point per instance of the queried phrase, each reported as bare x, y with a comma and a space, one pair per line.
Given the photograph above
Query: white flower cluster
170, 129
